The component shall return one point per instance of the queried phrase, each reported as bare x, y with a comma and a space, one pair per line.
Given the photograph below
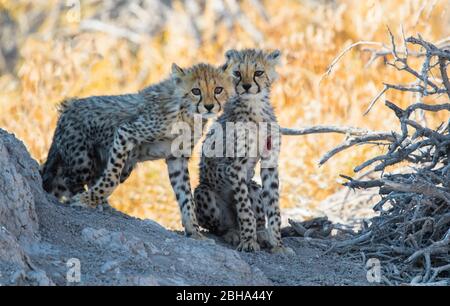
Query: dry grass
53, 67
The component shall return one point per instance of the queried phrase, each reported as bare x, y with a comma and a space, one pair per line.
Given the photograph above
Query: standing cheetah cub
99, 140
229, 202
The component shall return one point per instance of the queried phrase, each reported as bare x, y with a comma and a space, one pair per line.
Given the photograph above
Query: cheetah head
253, 70
205, 88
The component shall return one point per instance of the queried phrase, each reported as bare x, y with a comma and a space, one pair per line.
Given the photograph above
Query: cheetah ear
176, 70
230, 54
177, 73
274, 57
224, 67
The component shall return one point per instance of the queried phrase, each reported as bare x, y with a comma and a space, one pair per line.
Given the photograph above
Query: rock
140, 281
115, 241
16, 268
19, 190
216, 262
186, 256
112, 265
31, 278
10, 251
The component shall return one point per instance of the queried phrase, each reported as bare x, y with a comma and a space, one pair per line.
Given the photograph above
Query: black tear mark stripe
215, 98
240, 79
220, 105
254, 80
198, 103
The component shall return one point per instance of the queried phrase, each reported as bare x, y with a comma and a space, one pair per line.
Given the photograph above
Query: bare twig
347, 49
443, 70
318, 129
375, 99
369, 137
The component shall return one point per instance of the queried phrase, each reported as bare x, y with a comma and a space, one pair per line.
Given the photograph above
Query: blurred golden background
51, 50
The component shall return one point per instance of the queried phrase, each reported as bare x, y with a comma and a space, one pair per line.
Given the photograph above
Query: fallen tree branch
411, 234
419, 188
315, 228
436, 247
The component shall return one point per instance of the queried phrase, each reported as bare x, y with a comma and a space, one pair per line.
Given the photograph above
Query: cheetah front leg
179, 179
246, 218
123, 143
270, 197
255, 192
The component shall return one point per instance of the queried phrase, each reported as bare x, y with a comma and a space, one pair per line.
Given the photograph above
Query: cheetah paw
198, 236
81, 200
280, 249
104, 206
263, 238
248, 246
231, 237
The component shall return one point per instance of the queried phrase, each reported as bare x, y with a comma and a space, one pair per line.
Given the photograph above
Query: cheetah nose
209, 107
246, 86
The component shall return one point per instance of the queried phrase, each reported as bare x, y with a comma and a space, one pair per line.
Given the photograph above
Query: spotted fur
229, 202
99, 140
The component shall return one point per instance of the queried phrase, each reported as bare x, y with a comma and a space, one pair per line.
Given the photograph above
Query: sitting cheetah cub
99, 140
229, 203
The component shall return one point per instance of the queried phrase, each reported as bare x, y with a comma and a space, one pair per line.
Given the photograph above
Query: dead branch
324, 129
315, 228
411, 234
416, 226
424, 188
443, 70
435, 247
362, 136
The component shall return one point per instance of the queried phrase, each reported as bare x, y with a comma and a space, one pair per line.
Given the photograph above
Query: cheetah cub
229, 203
99, 140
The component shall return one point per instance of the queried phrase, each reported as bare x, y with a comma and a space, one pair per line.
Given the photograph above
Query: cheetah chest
250, 168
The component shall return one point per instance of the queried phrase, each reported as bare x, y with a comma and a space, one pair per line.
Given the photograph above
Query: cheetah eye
218, 90
237, 74
259, 73
196, 91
